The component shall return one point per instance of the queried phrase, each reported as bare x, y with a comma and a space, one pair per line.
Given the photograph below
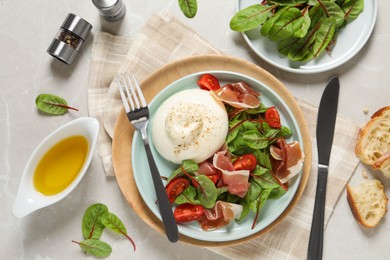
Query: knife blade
326, 121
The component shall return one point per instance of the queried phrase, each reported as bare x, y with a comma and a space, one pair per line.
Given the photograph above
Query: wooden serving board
123, 133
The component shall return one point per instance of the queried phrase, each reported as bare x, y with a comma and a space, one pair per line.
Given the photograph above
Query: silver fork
138, 115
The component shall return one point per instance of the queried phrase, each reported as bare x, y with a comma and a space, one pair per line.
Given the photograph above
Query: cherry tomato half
208, 82
245, 162
272, 117
188, 212
176, 187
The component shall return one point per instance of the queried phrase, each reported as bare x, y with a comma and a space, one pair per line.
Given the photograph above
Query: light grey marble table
26, 70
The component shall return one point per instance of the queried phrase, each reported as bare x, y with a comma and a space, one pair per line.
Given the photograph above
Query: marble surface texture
26, 70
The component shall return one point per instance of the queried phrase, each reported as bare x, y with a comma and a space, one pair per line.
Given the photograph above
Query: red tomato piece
188, 212
175, 187
245, 162
208, 82
272, 117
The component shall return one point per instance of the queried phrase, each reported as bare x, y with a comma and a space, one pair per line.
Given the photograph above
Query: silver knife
325, 129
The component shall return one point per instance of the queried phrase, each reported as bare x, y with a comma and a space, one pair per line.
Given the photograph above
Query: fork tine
123, 96
131, 91
139, 91
127, 88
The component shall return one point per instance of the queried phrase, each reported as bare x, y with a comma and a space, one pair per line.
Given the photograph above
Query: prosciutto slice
236, 181
220, 215
238, 95
286, 159
207, 168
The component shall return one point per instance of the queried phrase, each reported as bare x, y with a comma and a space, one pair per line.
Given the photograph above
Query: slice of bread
373, 141
368, 202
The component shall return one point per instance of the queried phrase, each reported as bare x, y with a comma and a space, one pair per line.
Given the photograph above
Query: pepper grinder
111, 10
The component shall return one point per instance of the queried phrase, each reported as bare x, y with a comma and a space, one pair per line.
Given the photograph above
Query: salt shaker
69, 39
111, 10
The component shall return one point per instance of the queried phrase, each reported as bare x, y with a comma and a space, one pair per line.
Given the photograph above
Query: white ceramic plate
272, 209
349, 42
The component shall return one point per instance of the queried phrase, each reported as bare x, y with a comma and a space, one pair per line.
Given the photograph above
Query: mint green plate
271, 210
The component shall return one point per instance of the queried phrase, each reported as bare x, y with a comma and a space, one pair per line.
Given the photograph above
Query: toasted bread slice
368, 202
373, 141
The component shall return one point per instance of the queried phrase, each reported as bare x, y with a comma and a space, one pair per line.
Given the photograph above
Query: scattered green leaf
96, 218
92, 227
95, 247
52, 104
188, 7
112, 222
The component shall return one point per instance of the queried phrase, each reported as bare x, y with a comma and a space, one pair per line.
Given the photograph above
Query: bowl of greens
305, 36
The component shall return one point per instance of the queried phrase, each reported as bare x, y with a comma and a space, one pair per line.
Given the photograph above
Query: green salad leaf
207, 191
92, 226
95, 219
52, 104
112, 222
302, 29
250, 17
188, 7
95, 247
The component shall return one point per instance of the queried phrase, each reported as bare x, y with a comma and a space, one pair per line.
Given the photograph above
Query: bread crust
377, 128
355, 212
354, 200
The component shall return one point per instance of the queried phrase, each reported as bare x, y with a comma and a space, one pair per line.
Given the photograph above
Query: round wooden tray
123, 133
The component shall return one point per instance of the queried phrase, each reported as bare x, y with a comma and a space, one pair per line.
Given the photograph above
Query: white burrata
189, 125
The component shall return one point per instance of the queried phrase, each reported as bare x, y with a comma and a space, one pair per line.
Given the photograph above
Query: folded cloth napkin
164, 39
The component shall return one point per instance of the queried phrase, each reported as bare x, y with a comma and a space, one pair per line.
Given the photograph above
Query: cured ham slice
238, 95
207, 168
236, 181
220, 215
286, 159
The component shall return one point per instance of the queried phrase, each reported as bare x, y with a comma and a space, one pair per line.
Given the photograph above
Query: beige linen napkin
164, 39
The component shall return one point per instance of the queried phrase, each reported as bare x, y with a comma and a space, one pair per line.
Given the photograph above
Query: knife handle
317, 224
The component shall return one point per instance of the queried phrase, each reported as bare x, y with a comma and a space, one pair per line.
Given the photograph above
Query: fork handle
169, 222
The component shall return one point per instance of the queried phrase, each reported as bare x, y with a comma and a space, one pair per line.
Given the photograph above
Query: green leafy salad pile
302, 29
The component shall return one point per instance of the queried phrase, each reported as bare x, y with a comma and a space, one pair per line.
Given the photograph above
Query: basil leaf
92, 227
188, 7
52, 104
250, 17
352, 9
207, 191
96, 247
